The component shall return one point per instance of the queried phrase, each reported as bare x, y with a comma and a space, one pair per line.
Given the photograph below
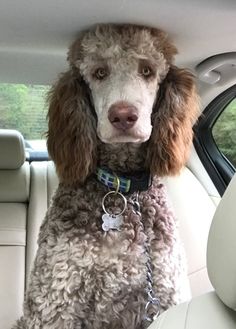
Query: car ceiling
35, 35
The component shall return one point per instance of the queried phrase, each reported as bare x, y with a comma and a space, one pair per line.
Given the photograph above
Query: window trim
217, 165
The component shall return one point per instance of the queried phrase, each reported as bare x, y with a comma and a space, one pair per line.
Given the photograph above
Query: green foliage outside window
24, 108
224, 132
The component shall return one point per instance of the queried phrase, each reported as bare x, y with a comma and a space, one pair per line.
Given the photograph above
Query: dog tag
111, 222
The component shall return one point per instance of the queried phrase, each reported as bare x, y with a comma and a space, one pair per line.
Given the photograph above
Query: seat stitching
187, 312
196, 271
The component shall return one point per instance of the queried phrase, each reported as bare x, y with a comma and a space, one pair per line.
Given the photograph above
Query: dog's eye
146, 71
101, 73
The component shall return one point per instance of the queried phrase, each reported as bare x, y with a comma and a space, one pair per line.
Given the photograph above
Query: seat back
14, 195
194, 210
43, 183
221, 250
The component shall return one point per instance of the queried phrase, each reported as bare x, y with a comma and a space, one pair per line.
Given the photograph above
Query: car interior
34, 38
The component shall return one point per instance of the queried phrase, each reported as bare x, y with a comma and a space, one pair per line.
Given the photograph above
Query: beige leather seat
14, 195
194, 210
215, 310
43, 183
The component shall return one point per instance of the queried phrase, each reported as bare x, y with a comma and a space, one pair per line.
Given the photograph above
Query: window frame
215, 162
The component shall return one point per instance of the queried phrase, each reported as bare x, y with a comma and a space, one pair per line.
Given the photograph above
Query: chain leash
151, 299
114, 221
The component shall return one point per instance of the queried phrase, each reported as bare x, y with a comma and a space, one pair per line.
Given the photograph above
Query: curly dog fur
83, 277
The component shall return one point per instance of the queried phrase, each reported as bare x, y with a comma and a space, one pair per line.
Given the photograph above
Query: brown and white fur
124, 105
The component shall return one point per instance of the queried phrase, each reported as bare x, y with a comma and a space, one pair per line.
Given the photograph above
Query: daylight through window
24, 108
224, 132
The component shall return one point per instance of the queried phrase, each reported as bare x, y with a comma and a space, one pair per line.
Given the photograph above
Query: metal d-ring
117, 184
118, 194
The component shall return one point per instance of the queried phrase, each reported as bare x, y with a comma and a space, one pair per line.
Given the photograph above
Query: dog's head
121, 88
123, 67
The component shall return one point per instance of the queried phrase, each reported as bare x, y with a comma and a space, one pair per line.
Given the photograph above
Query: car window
215, 138
24, 108
224, 132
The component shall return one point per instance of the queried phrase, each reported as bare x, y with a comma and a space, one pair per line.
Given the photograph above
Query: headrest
12, 150
221, 249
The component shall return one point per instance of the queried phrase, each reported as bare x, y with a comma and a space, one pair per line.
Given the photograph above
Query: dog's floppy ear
71, 129
174, 114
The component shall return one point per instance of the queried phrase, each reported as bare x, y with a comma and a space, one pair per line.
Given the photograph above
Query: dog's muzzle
123, 115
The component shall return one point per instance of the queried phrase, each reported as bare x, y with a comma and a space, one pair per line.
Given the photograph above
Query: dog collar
138, 181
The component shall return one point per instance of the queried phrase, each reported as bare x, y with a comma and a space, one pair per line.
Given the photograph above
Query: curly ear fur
71, 129
174, 114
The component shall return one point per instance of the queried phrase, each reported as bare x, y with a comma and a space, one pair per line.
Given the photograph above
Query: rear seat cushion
13, 224
15, 184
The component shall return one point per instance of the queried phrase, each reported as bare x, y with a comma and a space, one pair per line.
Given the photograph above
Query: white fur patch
123, 83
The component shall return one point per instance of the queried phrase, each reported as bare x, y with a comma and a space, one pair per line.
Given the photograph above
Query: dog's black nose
122, 115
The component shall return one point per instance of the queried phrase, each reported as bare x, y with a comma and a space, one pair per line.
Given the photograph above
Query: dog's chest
79, 220
115, 258
105, 269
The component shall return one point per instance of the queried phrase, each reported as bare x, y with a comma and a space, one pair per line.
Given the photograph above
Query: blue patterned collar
139, 181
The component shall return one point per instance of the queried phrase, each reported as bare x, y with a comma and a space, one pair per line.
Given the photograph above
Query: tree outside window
224, 132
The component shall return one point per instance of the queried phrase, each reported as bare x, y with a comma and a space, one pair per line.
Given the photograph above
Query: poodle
121, 117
